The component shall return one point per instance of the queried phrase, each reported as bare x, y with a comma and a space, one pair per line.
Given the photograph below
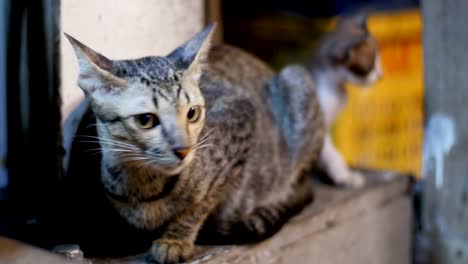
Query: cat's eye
146, 121
194, 114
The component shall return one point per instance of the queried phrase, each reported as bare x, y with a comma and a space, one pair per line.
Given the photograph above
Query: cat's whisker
203, 145
95, 125
118, 144
112, 149
135, 158
201, 142
145, 164
100, 139
131, 155
93, 153
131, 159
94, 149
88, 141
146, 161
110, 144
206, 134
157, 155
119, 150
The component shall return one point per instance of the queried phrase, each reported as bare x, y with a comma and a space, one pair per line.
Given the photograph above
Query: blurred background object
33, 122
381, 126
3, 129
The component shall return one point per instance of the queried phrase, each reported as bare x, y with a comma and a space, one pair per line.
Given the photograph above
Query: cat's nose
181, 153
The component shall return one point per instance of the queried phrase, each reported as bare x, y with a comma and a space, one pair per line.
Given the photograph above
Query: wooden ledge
370, 225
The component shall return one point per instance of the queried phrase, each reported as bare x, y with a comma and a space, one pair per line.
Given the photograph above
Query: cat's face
354, 52
150, 111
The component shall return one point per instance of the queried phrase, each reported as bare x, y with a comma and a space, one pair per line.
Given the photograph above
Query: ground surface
370, 225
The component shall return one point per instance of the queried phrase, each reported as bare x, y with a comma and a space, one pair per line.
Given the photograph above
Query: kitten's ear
95, 69
358, 20
193, 52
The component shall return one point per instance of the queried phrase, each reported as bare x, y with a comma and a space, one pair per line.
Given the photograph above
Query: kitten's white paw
353, 179
356, 179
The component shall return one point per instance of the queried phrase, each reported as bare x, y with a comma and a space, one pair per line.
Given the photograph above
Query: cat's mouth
176, 165
182, 162
167, 163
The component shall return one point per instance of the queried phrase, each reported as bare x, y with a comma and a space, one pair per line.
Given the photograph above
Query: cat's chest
332, 101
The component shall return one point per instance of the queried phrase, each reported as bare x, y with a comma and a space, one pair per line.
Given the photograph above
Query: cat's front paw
349, 178
170, 251
355, 179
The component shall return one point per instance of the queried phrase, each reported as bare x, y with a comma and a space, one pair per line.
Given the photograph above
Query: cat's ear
340, 51
360, 19
357, 20
95, 69
192, 54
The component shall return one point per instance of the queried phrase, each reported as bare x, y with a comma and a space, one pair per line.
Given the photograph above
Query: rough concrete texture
446, 135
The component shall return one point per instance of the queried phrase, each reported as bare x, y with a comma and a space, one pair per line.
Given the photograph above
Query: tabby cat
349, 54
206, 141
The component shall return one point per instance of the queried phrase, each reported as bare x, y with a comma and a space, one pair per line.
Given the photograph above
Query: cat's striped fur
244, 172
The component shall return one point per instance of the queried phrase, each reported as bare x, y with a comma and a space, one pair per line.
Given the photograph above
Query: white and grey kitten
350, 54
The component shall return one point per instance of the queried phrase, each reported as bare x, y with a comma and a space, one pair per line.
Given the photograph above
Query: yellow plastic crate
382, 127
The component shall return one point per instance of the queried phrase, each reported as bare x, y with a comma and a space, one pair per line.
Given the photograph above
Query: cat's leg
231, 114
268, 218
177, 242
336, 168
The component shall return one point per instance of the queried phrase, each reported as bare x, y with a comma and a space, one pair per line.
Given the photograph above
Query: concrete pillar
445, 163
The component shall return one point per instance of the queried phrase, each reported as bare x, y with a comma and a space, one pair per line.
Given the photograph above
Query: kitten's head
150, 111
353, 51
